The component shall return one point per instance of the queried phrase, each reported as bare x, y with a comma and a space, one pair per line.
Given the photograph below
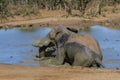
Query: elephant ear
63, 39
72, 30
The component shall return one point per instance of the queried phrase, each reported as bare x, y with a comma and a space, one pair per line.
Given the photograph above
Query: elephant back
87, 41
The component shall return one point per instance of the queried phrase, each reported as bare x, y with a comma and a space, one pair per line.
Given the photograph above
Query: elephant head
42, 42
59, 31
49, 43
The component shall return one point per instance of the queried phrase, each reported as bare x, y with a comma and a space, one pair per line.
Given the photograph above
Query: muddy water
16, 45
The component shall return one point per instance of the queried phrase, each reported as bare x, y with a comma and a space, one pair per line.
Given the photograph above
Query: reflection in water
16, 45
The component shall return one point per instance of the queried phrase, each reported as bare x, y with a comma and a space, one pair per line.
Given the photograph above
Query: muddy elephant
47, 46
45, 49
77, 54
85, 40
85, 49
75, 49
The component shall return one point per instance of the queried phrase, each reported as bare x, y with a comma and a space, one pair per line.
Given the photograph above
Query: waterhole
16, 45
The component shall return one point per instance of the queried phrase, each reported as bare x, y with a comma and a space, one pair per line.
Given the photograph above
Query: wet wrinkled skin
86, 40
77, 54
47, 46
87, 55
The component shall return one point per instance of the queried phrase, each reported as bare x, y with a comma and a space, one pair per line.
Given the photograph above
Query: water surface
16, 45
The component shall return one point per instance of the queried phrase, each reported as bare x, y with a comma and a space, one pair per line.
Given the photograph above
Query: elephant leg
81, 61
59, 59
77, 60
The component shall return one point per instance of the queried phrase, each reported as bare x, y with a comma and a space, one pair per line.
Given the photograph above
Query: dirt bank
71, 22
54, 18
14, 72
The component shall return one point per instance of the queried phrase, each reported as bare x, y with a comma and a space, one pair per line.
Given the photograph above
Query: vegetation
27, 7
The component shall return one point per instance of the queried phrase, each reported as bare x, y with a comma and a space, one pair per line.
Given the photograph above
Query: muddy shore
55, 18
15, 72
71, 22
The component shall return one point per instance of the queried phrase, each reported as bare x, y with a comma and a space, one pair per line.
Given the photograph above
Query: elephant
83, 50
86, 40
77, 54
47, 47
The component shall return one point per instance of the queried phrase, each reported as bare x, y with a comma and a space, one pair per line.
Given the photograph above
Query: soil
17, 72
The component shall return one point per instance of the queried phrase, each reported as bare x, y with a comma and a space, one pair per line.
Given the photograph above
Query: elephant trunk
42, 42
37, 45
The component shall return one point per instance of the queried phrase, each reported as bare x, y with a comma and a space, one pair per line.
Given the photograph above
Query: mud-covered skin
62, 36
46, 50
85, 40
42, 42
78, 55
47, 46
